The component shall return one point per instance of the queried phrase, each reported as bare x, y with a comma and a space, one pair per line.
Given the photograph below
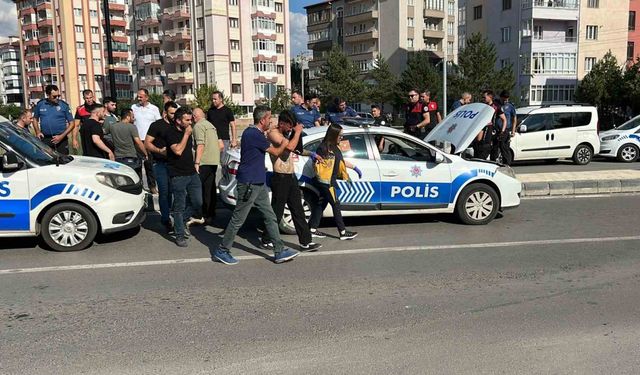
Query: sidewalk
575, 183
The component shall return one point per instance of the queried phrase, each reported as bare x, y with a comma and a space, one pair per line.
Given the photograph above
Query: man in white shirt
145, 113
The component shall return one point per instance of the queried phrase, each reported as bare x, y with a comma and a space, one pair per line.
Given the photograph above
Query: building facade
241, 46
11, 91
633, 44
365, 29
551, 44
63, 43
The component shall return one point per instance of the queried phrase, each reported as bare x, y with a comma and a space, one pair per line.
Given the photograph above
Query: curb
580, 187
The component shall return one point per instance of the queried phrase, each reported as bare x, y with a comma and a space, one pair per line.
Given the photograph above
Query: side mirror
523, 128
10, 162
439, 158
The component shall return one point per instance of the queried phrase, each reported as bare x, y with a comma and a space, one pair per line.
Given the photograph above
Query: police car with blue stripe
64, 199
406, 175
623, 142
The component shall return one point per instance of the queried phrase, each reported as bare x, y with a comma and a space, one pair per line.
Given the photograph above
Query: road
552, 287
598, 164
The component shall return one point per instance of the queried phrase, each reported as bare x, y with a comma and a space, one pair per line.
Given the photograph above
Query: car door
563, 133
534, 142
359, 194
14, 199
409, 177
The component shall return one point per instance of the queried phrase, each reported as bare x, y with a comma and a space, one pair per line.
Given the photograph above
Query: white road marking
581, 196
327, 253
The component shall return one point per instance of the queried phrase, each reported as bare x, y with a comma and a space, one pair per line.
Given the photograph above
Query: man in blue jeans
251, 189
184, 178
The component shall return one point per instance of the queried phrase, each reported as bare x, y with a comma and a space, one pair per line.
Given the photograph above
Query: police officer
305, 113
53, 120
509, 130
415, 116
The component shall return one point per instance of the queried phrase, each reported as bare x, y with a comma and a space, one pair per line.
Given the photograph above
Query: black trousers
148, 169
209, 194
62, 147
500, 146
285, 190
326, 197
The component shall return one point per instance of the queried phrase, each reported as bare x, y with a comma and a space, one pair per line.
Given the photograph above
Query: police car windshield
31, 149
631, 124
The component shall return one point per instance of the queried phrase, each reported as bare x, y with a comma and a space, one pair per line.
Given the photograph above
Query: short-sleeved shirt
336, 117
82, 113
144, 117
53, 117
413, 114
509, 111
221, 118
204, 133
497, 111
456, 104
87, 131
122, 135
253, 147
179, 165
110, 119
158, 130
307, 117
432, 109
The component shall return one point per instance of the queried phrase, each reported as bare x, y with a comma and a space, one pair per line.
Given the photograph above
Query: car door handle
390, 174
547, 137
553, 137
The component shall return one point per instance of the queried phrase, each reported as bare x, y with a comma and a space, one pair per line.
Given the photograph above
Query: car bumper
120, 204
134, 223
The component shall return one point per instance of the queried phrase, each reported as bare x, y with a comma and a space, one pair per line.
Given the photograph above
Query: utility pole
107, 31
445, 26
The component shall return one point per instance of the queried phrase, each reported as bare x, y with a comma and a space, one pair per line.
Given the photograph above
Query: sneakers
182, 242
223, 256
169, 228
346, 235
317, 234
194, 220
267, 245
285, 255
311, 246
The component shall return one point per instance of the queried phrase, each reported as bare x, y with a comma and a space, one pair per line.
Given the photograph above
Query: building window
409, 42
233, 23
79, 45
410, 3
554, 63
199, 22
78, 28
506, 34
630, 50
537, 32
593, 3
96, 61
93, 13
235, 67
632, 20
200, 45
504, 63
279, 48
235, 44
233, 2
552, 93
82, 61
589, 62
202, 67
279, 28
477, 12
280, 69
450, 28
236, 88
592, 32
452, 8
278, 7
77, 12
506, 4
94, 30
95, 46
525, 27
409, 21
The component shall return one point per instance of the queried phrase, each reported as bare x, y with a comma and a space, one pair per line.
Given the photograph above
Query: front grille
134, 189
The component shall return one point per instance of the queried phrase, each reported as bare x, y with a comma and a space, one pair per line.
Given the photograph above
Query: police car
623, 142
405, 175
64, 199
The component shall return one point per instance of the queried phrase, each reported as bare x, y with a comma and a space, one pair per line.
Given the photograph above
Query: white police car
405, 175
623, 142
64, 199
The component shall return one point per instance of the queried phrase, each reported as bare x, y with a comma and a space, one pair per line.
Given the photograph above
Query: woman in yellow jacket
332, 168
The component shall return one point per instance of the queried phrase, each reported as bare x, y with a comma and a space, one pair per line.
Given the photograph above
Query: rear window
581, 118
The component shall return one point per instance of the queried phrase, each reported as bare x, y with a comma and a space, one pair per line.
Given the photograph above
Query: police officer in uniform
53, 120
415, 118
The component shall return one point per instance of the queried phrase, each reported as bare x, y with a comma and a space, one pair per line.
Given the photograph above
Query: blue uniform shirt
336, 117
456, 104
253, 146
306, 117
509, 112
53, 117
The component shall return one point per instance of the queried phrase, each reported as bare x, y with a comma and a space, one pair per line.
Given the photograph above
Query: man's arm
36, 128
148, 144
293, 143
71, 126
277, 151
234, 134
140, 147
504, 122
98, 142
199, 152
179, 148
426, 119
439, 117
514, 123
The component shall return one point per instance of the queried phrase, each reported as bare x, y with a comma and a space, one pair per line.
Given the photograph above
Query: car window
581, 118
537, 122
354, 146
631, 124
312, 146
400, 148
562, 120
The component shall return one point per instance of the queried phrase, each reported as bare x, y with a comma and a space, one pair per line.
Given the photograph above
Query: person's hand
234, 143
197, 165
40, 135
358, 171
188, 130
112, 157
146, 157
316, 157
163, 151
298, 128
221, 145
58, 138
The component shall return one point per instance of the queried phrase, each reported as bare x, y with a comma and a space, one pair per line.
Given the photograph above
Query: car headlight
609, 138
114, 180
508, 171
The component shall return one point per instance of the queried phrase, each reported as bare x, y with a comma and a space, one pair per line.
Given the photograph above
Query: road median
580, 183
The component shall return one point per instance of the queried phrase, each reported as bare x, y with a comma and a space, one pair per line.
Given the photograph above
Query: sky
8, 18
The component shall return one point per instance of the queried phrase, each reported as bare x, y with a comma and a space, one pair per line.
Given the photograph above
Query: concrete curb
580, 187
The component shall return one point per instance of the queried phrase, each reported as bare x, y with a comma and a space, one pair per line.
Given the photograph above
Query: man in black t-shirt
155, 143
185, 182
93, 136
222, 118
82, 114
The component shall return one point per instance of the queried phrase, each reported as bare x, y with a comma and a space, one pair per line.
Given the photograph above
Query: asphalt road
598, 164
550, 288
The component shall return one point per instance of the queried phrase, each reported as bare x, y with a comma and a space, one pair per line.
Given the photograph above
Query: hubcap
629, 153
68, 228
584, 154
479, 205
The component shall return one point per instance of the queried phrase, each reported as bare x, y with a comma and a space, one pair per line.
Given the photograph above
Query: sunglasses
412, 95
55, 96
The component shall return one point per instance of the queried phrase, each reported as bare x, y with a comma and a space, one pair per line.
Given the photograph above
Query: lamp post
107, 31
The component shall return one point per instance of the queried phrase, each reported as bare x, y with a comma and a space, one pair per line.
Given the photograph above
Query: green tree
339, 77
156, 99
476, 69
281, 101
604, 88
383, 88
420, 75
631, 90
203, 99
10, 111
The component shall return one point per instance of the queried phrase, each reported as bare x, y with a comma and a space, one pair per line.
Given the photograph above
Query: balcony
151, 81
178, 78
264, 52
138, 2
361, 36
362, 15
567, 10
261, 11
117, 5
33, 42
116, 21
433, 33
45, 22
150, 21
177, 12
43, 38
151, 60
555, 4
180, 34
434, 13
179, 56
149, 39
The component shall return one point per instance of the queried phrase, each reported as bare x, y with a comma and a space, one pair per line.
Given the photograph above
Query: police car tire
631, 150
582, 155
87, 216
464, 196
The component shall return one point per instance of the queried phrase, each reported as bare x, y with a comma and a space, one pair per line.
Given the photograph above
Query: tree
203, 99
476, 69
10, 111
156, 99
420, 75
339, 77
281, 101
603, 87
631, 90
384, 82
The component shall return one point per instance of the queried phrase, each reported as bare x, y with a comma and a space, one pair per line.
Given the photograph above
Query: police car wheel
478, 204
68, 227
582, 155
628, 153
286, 224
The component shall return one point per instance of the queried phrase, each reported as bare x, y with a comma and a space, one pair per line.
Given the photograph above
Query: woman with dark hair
332, 168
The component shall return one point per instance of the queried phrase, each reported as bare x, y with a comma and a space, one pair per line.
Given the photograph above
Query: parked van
556, 132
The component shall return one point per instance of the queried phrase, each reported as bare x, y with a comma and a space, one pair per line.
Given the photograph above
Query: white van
64, 199
556, 132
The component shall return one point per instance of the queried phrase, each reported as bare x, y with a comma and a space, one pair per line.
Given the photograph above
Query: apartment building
365, 29
241, 46
633, 44
63, 43
10, 72
551, 44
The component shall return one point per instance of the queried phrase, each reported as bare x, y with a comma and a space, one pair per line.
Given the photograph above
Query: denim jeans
183, 187
246, 197
164, 189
